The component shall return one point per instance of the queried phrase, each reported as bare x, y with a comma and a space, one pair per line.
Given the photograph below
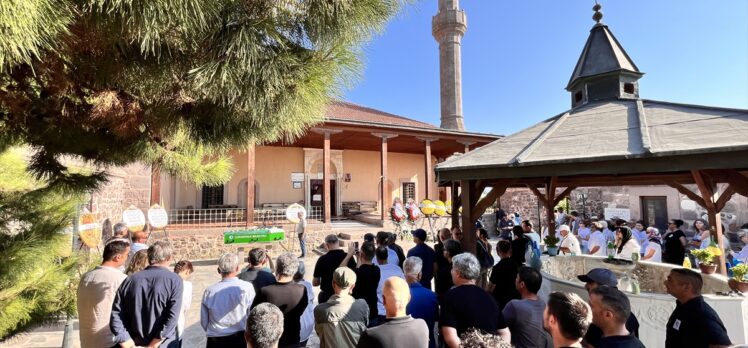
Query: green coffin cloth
259, 235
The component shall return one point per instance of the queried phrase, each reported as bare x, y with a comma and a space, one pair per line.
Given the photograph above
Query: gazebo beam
490, 198
707, 193
688, 193
563, 194
738, 181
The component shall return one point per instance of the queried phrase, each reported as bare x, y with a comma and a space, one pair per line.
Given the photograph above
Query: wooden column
467, 144
455, 197
708, 189
383, 180
468, 198
549, 200
429, 177
155, 184
250, 185
326, 206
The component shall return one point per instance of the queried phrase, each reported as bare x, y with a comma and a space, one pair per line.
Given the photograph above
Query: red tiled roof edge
348, 111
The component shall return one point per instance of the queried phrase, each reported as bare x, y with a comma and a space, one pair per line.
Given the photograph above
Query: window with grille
212, 196
409, 191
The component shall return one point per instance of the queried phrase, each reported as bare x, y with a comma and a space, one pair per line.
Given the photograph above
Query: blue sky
517, 57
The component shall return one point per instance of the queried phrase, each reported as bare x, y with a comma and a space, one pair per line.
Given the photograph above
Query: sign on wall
297, 176
619, 213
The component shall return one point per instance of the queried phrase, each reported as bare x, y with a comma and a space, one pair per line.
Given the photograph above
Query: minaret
448, 27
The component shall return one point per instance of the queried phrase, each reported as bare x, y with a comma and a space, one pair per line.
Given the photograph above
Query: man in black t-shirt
610, 310
566, 318
326, 266
441, 264
256, 273
674, 243
367, 278
693, 323
504, 273
604, 277
467, 305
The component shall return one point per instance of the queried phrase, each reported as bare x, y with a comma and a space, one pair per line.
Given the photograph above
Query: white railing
228, 217
219, 217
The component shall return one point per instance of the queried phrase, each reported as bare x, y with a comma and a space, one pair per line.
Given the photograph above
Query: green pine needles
37, 271
176, 83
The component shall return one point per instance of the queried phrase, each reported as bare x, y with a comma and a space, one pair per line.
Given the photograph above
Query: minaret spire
448, 27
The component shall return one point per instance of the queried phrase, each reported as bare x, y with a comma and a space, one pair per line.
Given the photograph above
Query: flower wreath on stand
398, 215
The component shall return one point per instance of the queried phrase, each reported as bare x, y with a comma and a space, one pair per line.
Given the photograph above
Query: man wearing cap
569, 243
599, 277
341, 320
427, 255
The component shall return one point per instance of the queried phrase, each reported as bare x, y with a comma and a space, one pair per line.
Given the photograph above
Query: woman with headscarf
743, 254
653, 250
625, 244
700, 238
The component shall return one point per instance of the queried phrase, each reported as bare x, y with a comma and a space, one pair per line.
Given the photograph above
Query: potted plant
551, 244
739, 281
706, 260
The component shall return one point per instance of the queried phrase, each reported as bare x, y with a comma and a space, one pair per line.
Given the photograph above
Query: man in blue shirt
146, 308
427, 256
423, 303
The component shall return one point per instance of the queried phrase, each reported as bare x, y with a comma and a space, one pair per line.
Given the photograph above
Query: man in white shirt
386, 270
569, 242
301, 232
139, 238
223, 314
597, 244
383, 240
529, 232
96, 293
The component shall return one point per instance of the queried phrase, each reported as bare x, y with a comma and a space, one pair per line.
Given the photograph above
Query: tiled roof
346, 111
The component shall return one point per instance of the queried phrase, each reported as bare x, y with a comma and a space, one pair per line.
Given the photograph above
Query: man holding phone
367, 276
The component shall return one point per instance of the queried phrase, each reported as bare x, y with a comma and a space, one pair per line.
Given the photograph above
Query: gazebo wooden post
469, 199
707, 193
455, 204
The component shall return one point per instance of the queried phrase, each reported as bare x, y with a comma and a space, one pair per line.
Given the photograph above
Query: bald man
399, 329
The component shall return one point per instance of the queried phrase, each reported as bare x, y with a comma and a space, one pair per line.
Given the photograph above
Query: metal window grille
212, 196
409, 191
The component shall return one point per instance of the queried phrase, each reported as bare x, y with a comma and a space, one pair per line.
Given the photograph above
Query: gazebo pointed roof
602, 54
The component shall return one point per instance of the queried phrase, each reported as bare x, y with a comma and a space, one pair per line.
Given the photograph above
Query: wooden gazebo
610, 137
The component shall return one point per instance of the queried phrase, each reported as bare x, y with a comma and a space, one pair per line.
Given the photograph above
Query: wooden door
654, 212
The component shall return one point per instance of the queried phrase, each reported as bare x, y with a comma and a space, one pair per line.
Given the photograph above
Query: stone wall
128, 185
207, 243
523, 201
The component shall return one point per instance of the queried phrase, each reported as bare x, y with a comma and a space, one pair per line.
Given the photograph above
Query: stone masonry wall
207, 243
128, 185
733, 215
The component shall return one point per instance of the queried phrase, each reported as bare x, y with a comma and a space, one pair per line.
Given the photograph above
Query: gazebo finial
598, 16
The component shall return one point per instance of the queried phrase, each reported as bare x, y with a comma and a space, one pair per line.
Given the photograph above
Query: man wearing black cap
599, 277
427, 255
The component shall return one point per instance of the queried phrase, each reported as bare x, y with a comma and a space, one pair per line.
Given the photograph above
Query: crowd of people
627, 239
374, 295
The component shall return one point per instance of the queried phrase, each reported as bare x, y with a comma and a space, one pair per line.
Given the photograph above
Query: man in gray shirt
525, 316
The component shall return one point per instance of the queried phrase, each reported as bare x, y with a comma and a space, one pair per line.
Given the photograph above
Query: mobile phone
355, 247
